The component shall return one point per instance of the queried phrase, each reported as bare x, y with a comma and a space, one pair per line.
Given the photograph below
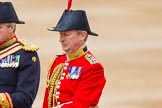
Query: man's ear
84, 34
12, 28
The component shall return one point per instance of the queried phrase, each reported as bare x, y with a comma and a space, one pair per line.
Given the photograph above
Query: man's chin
64, 49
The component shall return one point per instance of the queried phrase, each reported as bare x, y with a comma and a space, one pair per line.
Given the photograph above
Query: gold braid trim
49, 69
52, 82
28, 46
5, 100
13, 48
9, 100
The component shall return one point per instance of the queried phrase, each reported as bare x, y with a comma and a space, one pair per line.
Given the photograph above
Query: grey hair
80, 31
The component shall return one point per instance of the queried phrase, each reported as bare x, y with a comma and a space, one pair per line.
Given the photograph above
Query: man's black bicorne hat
8, 14
73, 20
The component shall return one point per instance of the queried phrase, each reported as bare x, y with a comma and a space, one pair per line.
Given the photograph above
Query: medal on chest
74, 72
10, 61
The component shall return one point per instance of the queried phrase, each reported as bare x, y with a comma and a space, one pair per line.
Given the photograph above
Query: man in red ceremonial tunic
76, 78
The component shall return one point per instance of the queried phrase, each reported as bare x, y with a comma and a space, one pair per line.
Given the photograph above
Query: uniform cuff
5, 101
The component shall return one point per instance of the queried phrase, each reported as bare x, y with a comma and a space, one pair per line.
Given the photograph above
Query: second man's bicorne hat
8, 14
73, 20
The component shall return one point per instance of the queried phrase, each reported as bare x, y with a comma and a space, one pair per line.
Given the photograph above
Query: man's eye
67, 34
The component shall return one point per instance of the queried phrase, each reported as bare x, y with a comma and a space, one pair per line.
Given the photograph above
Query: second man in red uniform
76, 78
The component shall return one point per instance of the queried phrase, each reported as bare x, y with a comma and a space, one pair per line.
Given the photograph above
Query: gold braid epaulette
53, 82
5, 101
27, 46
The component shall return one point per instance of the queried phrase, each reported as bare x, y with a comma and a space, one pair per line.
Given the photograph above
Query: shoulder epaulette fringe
28, 46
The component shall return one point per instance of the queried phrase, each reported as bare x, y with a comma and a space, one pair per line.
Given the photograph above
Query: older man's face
5, 32
71, 40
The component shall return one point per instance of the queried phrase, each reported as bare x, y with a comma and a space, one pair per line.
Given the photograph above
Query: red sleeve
45, 102
89, 89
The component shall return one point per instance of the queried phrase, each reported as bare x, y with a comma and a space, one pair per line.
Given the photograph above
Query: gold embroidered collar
8, 43
78, 53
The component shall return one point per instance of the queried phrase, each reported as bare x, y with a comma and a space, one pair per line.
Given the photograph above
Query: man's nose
61, 38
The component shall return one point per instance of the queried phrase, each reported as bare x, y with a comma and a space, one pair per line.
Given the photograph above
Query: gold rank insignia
91, 59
